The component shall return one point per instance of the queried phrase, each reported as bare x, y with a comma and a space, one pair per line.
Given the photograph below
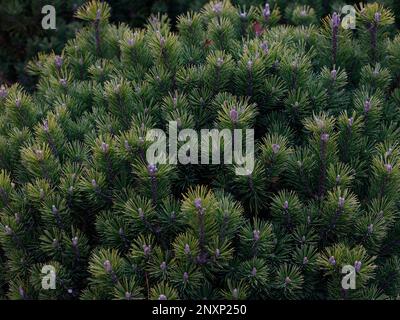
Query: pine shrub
77, 192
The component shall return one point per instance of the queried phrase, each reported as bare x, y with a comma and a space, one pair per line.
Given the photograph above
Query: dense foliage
77, 193
22, 35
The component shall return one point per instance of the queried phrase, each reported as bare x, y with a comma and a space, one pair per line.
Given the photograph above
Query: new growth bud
266, 12
335, 20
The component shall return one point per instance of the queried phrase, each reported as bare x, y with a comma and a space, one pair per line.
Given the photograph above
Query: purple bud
186, 249
265, 47
377, 17
249, 64
46, 126
131, 42
305, 260
94, 183
324, 137
107, 266
388, 167
367, 105
256, 235
357, 265
287, 280
162, 41
234, 115
254, 272
17, 217
105, 147
58, 61
8, 230
341, 202
197, 203
266, 12
243, 15
140, 213
185, 276
18, 103
217, 8
63, 82
332, 260
370, 228
275, 148
146, 249
217, 253
351, 121
3, 92
127, 146
334, 74
98, 14
286, 205
220, 61
75, 241
162, 297
335, 20
39, 154
21, 292
54, 209
163, 266
152, 169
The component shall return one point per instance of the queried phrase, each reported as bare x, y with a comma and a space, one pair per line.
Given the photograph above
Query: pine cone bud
335, 20
389, 168
357, 265
266, 12
367, 105
256, 235
341, 202
107, 266
234, 115
325, 137
58, 61
152, 169
186, 249
377, 17
197, 203
276, 148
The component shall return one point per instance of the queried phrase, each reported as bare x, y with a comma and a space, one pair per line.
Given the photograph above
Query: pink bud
234, 115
